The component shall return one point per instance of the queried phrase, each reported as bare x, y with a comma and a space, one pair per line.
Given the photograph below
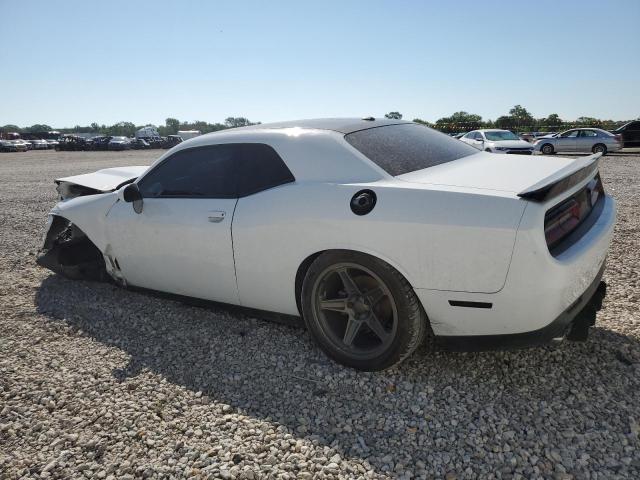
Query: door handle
217, 216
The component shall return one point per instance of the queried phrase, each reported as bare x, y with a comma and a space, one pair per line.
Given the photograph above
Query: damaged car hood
105, 180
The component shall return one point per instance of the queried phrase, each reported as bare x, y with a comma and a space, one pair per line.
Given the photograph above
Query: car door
566, 141
586, 140
474, 139
181, 240
478, 140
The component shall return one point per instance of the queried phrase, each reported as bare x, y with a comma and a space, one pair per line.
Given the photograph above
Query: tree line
128, 129
519, 119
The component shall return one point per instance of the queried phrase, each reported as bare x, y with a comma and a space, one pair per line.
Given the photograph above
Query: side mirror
131, 194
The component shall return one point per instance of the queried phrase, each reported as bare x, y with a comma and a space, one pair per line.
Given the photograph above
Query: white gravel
100, 382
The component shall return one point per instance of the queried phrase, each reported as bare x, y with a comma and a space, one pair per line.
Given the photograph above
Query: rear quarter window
404, 148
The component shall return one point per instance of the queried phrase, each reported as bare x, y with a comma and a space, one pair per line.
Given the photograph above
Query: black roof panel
342, 125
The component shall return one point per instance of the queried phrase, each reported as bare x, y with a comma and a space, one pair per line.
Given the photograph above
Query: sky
66, 63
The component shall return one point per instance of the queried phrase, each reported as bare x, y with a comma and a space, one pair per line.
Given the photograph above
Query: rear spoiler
563, 179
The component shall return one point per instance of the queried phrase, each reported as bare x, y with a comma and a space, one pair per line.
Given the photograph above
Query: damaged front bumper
68, 251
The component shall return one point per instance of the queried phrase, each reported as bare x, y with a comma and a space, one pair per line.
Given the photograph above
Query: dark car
172, 141
630, 134
140, 144
99, 143
72, 143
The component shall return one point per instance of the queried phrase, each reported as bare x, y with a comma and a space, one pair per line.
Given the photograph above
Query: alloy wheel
355, 310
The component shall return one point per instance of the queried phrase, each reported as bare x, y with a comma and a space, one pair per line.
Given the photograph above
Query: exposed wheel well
301, 273
68, 251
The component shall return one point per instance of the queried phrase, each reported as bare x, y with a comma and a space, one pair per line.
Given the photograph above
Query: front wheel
547, 149
599, 148
361, 311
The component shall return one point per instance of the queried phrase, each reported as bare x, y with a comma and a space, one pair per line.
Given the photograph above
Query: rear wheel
361, 311
547, 149
599, 148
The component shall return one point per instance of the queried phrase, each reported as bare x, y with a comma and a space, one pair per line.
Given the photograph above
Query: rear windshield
400, 149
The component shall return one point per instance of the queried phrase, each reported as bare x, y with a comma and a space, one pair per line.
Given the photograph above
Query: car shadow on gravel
434, 402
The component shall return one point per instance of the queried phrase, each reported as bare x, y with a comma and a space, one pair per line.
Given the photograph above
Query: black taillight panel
565, 218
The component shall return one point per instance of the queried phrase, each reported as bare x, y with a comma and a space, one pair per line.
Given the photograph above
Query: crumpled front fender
89, 213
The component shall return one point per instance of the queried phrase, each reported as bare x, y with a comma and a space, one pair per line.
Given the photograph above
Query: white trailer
187, 134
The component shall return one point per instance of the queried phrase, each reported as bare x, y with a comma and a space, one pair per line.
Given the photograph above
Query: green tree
553, 122
172, 126
521, 117
588, 122
10, 128
126, 129
393, 115
233, 122
459, 122
506, 122
38, 127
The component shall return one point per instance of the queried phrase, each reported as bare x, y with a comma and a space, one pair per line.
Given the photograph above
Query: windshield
404, 148
501, 136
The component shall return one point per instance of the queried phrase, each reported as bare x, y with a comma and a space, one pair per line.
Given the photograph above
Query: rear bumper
573, 324
542, 296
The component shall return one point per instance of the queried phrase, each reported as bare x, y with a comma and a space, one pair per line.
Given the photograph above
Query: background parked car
39, 144
52, 143
20, 141
71, 143
12, 146
497, 141
171, 141
119, 143
531, 137
140, 144
584, 140
99, 143
630, 134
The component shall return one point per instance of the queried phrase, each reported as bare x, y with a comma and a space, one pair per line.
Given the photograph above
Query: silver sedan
579, 140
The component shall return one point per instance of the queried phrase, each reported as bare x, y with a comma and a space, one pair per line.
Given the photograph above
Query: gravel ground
100, 382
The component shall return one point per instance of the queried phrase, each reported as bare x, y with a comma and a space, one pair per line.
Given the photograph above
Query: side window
201, 172
570, 134
471, 135
588, 133
261, 168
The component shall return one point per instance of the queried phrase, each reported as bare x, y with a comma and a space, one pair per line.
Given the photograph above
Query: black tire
397, 311
487, 150
547, 149
599, 147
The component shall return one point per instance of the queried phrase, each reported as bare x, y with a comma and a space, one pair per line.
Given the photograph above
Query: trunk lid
532, 177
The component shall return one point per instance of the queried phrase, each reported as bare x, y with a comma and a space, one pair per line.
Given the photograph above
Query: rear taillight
564, 218
561, 221
619, 138
596, 190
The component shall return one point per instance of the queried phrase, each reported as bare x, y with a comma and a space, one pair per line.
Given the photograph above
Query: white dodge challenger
376, 232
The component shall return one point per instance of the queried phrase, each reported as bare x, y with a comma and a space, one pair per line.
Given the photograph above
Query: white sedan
376, 232
497, 141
